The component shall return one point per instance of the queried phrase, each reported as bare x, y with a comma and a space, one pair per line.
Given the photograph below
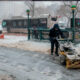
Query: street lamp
28, 13
73, 7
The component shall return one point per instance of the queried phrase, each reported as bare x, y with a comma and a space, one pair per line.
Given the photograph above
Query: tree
70, 3
31, 5
65, 10
41, 10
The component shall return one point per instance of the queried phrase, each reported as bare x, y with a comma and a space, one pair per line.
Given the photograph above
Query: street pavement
26, 65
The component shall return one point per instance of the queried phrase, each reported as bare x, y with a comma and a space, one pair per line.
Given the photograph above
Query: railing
43, 34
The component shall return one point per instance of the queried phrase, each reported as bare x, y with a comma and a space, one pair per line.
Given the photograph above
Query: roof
42, 16
20, 17
25, 17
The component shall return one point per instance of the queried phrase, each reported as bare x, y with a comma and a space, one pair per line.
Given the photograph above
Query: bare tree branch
66, 9
31, 5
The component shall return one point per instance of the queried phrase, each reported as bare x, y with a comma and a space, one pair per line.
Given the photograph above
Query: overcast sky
47, 3
17, 8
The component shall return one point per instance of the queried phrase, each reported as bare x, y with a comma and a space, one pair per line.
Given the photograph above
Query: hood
56, 26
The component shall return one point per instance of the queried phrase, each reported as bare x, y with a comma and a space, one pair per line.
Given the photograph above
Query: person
35, 32
54, 34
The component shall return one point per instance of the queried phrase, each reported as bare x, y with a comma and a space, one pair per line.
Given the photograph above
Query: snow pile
33, 46
12, 39
21, 42
75, 50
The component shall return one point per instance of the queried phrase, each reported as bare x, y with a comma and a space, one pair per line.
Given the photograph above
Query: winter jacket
55, 33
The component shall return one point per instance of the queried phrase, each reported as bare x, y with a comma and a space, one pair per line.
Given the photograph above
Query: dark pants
35, 33
54, 42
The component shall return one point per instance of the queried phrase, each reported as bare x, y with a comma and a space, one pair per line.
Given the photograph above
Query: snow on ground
27, 65
12, 39
34, 46
23, 43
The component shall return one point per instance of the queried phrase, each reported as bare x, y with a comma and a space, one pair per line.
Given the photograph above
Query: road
26, 65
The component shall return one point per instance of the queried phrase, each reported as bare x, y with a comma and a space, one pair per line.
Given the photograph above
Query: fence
43, 34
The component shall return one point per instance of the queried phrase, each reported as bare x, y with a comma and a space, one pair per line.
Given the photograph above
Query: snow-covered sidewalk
22, 43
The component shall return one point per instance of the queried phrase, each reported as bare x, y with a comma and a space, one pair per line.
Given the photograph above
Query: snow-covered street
25, 60
27, 65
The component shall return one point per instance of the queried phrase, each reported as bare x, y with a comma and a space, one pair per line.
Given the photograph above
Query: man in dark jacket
54, 34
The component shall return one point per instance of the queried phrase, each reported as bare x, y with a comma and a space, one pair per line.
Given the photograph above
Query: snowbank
21, 42
12, 39
74, 53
